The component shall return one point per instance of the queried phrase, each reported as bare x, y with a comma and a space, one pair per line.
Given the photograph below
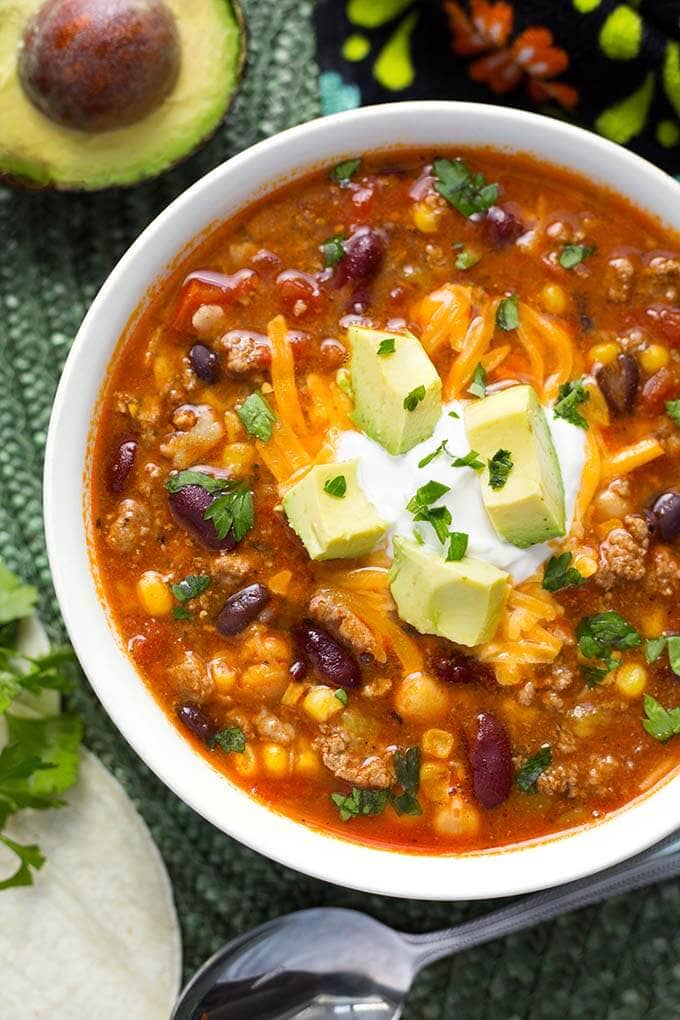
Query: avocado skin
25, 182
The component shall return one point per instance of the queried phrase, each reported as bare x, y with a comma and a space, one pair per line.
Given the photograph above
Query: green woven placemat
619, 961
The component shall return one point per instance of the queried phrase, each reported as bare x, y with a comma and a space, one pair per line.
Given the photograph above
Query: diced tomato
666, 320
205, 287
295, 286
659, 388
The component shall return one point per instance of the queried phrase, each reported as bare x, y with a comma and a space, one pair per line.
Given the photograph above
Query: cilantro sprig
533, 768
412, 399
560, 574
333, 250
257, 416
570, 397
343, 172
661, 723
573, 254
478, 385
469, 193
600, 635
655, 647
420, 505
507, 313
231, 510
403, 797
500, 466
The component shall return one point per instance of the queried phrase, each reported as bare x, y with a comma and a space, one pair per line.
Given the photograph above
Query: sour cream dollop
389, 482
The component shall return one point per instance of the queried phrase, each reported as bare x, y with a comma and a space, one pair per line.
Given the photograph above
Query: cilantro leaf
407, 772
387, 346
458, 543
573, 254
231, 740
654, 648
412, 399
467, 192
426, 495
571, 395
597, 636
594, 675
559, 574
29, 856
360, 802
343, 173
471, 460
534, 767
181, 613
190, 587
661, 723
432, 456
478, 385
466, 259
333, 249
673, 644
179, 479
257, 416
16, 598
341, 695
500, 467
453, 414
420, 506
673, 410
336, 486
507, 313
232, 510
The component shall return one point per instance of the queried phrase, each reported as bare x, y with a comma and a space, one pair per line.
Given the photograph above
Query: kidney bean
502, 226
665, 511
491, 761
121, 465
195, 719
298, 670
336, 663
619, 382
242, 608
188, 506
659, 388
364, 253
463, 669
204, 363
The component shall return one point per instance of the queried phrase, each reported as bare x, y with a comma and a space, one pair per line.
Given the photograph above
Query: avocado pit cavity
98, 65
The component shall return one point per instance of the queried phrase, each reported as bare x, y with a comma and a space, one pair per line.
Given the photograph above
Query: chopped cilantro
181, 613
471, 460
507, 313
432, 456
673, 410
573, 254
594, 675
386, 346
478, 385
453, 414
360, 802
190, 587
343, 173
407, 772
467, 192
570, 396
336, 486
231, 739
179, 479
412, 399
598, 636
466, 259
534, 767
421, 507
560, 574
500, 467
333, 249
661, 723
655, 647
257, 416
341, 695
232, 510
458, 543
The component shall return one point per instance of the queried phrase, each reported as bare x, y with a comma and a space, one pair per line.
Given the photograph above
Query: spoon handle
656, 865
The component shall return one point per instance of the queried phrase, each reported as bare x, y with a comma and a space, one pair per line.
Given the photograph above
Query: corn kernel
154, 594
426, 217
293, 693
631, 680
162, 371
437, 743
307, 763
280, 582
275, 759
222, 674
654, 357
239, 458
321, 703
435, 781
605, 353
654, 622
553, 299
233, 427
245, 762
586, 565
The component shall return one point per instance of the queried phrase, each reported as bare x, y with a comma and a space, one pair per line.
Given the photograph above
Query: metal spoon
328, 963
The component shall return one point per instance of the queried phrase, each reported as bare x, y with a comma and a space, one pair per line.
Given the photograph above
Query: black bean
242, 608
336, 663
491, 761
121, 465
463, 669
619, 382
364, 253
188, 506
205, 363
195, 719
502, 226
665, 512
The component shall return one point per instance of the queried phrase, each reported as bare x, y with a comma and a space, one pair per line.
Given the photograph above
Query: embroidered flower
531, 57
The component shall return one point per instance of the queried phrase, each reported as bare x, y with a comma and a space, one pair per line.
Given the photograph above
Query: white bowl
222, 192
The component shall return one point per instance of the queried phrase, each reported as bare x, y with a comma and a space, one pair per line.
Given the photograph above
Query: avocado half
37, 152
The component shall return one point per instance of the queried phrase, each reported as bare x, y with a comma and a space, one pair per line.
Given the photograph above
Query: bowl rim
503, 871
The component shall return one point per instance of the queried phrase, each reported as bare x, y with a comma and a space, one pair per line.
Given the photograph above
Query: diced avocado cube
333, 526
397, 390
460, 600
529, 507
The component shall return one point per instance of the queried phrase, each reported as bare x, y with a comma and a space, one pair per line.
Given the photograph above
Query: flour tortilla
97, 935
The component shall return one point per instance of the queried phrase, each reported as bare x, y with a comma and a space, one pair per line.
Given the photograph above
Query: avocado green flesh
39, 152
